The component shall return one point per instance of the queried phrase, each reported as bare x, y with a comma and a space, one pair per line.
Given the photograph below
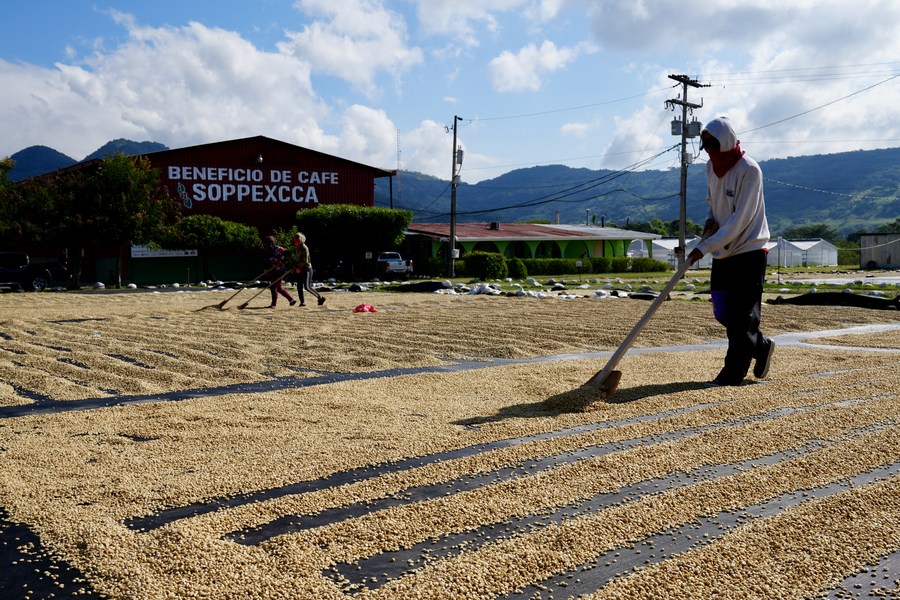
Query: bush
601, 264
648, 265
620, 264
485, 265
516, 268
549, 266
431, 267
598, 264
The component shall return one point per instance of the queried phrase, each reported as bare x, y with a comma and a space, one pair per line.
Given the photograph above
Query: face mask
710, 144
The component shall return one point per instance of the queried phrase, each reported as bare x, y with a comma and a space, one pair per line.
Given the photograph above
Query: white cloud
427, 149
462, 19
788, 89
524, 70
356, 41
178, 86
578, 130
641, 25
193, 83
367, 136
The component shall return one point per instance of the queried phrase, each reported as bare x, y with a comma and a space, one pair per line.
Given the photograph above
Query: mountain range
848, 191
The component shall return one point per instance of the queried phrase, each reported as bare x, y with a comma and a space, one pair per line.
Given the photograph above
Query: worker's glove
694, 256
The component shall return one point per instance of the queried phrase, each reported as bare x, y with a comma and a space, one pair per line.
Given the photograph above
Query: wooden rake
244, 305
221, 305
606, 381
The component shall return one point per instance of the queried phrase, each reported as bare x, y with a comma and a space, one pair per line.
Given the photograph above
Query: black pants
305, 284
736, 284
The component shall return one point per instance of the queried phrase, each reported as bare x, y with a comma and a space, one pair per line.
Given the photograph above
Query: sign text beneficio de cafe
228, 184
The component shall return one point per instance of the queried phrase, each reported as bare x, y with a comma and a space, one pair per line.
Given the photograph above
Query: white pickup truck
390, 265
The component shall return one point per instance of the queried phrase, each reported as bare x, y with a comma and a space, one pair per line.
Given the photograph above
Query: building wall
879, 250
786, 254
260, 181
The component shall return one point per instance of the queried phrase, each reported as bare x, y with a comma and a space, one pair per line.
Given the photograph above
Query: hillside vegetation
849, 191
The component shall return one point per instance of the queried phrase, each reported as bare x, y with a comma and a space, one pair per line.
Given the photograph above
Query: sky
583, 83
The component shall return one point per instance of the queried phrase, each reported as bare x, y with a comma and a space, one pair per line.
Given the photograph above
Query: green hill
37, 160
849, 191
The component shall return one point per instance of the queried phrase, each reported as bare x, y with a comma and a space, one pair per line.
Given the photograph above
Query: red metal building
260, 181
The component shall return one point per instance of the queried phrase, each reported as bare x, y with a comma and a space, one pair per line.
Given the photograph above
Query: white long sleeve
737, 205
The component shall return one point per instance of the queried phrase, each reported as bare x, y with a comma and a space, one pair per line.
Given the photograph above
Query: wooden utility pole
454, 181
686, 131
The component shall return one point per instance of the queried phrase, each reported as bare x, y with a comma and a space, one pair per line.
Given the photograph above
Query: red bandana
723, 161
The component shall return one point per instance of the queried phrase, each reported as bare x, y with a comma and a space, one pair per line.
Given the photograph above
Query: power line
806, 112
570, 108
572, 190
855, 67
811, 189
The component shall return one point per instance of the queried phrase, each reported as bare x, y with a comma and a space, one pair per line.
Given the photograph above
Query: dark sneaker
321, 300
764, 361
293, 302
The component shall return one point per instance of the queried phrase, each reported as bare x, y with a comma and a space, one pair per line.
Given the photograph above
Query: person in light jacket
304, 268
735, 234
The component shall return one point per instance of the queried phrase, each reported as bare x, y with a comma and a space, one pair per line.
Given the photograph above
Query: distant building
260, 181
802, 253
879, 250
664, 249
523, 240
256, 181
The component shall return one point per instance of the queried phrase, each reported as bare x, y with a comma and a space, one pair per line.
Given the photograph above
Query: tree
125, 204
341, 234
6, 167
889, 227
819, 230
208, 234
31, 211
7, 204
670, 229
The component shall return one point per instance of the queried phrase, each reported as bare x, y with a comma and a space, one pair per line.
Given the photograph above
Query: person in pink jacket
735, 234
275, 257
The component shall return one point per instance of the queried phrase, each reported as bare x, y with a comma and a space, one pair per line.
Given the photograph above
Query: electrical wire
811, 189
796, 75
806, 112
571, 108
578, 188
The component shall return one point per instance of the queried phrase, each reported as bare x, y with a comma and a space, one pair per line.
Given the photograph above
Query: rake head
604, 384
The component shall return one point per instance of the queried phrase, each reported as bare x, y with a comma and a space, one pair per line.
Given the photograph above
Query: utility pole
398, 172
685, 130
454, 181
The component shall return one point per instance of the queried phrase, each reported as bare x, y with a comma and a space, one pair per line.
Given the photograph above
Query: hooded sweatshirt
735, 199
301, 251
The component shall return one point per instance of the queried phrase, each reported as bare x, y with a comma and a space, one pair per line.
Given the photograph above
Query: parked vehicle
390, 265
18, 272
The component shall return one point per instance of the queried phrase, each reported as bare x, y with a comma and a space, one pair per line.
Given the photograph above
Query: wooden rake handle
244, 305
601, 376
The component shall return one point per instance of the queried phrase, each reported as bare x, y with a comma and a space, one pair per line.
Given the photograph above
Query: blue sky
575, 82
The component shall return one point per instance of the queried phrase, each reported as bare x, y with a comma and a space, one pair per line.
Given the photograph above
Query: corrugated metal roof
269, 143
807, 244
478, 232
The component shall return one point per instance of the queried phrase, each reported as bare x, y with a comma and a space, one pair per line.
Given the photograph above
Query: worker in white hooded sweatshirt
735, 234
